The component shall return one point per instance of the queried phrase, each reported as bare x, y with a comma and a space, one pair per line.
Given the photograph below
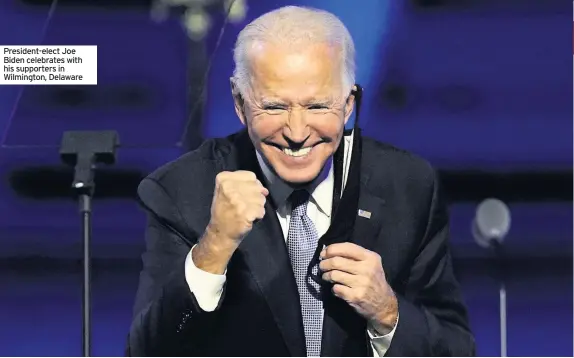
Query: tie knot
299, 200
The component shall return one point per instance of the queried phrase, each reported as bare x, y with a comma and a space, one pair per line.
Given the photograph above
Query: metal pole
85, 210
503, 338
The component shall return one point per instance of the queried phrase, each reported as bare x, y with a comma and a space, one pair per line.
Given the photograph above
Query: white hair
294, 25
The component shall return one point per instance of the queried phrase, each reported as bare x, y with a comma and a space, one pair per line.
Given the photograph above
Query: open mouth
295, 153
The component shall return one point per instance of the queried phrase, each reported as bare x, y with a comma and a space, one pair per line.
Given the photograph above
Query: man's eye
273, 108
318, 106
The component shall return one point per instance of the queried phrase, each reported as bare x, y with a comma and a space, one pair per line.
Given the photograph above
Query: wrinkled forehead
296, 73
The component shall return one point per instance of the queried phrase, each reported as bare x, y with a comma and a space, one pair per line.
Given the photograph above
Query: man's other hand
359, 279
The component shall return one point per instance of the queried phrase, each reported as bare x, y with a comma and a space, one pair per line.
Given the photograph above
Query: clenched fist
238, 200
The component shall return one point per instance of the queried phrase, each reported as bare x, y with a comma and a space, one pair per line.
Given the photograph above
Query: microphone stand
500, 274
84, 185
83, 150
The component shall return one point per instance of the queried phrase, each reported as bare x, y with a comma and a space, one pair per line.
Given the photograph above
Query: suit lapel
344, 331
368, 221
358, 219
265, 253
266, 256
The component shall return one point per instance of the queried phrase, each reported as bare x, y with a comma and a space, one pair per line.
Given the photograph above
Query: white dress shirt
208, 287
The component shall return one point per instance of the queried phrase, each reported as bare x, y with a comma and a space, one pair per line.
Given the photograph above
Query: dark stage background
481, 88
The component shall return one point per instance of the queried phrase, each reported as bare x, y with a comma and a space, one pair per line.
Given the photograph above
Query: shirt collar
321, 189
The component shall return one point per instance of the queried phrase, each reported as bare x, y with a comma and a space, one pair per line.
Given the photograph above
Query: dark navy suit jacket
259, 312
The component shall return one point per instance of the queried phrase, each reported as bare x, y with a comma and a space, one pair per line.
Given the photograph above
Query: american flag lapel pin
364, 213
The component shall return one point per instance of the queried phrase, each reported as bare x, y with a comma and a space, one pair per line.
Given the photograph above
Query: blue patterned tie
302, 241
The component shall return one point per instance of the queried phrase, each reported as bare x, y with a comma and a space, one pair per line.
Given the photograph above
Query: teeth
297, 153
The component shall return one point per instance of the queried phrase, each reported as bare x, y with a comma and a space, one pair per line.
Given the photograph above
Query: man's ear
350, 104
238, 101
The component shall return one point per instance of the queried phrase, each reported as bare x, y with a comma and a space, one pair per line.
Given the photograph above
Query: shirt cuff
381, 344
205, 286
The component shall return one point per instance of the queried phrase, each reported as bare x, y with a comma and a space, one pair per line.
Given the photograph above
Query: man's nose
297, 130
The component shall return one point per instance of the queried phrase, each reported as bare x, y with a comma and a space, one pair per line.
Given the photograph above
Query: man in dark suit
295, 237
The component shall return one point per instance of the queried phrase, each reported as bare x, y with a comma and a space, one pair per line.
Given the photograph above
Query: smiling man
293, 237
298, 99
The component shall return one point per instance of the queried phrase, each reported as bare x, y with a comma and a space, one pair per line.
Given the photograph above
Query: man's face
295, 110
